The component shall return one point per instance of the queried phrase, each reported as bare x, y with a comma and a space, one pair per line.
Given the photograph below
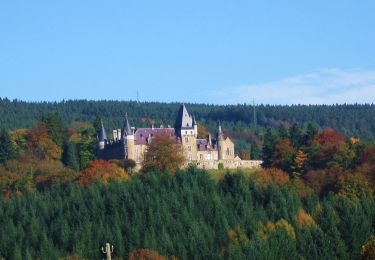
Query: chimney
119, 134
114, 135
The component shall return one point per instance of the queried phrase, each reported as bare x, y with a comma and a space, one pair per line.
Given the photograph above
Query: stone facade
131, 143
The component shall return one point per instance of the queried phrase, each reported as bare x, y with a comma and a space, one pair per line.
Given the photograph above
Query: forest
313, 198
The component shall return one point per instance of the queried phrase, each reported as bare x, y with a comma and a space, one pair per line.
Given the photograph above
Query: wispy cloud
324, 86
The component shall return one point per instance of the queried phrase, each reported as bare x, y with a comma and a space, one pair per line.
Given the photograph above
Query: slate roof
127, 129
183, 120
102, 134
203, 145
143, 135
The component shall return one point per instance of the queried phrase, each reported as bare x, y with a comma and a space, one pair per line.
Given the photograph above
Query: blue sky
221, 52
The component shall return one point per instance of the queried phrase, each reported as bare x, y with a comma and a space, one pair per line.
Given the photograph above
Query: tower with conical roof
186, 130
220, 142
128, 139
102, 137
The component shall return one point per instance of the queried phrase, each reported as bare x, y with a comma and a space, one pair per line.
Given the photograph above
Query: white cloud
325, 86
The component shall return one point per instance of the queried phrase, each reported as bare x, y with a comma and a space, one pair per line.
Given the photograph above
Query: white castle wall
229, 164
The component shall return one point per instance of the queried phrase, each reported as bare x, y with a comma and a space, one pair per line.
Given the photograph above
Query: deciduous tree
163, 154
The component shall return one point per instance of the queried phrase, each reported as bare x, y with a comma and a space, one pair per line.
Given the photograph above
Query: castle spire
102, 133
183, 120
220, 135
127, 129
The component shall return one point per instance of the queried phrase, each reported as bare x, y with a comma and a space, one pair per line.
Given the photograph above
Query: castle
209, 153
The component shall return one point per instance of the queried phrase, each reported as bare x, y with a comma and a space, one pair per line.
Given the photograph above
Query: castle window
191, 132
187, 139
228, 152
186, 132
201, 156
189, 148
190, 157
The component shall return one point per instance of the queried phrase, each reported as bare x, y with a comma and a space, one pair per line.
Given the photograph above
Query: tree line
187, 216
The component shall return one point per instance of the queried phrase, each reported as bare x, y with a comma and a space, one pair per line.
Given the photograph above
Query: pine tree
56, 127
311, 132
283, 132
268, 145
7, 151
295, 135
70, 157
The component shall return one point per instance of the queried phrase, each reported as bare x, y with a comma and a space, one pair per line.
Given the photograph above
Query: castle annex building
131, 143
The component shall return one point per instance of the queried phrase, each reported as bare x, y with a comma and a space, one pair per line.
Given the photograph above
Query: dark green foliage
295, 136
311, 132
70, 156
255, 152
97, 124
7, 151
187, 215
56, 127
270, 139
283, 132
353, 119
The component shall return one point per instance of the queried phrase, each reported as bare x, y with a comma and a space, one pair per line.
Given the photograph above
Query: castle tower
221, 143
186, 130
128, 140
225, 146
102, 138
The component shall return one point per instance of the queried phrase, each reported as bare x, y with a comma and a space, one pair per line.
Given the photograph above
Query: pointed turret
102, 133
183, 120
220, 135
102, 138
127, 130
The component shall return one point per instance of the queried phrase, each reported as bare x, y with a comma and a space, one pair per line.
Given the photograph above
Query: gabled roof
143, 135
102, 135
183, 119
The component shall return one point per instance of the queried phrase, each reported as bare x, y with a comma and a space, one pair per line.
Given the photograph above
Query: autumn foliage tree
271, 175
282, 155
100, 170
145, 254
163, 154
40, 143
330, 142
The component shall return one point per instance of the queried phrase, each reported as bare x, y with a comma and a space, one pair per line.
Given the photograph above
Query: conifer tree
295, 135
268, 146
7, 151
56, 127
70, 157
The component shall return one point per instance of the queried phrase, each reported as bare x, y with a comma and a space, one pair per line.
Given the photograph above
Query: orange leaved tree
163, 154
103, 171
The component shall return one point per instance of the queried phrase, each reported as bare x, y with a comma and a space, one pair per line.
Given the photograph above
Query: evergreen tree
56, 127
255, 152
97, 124
7, 151
295, 135
269, 142
311, 132
283, 132
70, 157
